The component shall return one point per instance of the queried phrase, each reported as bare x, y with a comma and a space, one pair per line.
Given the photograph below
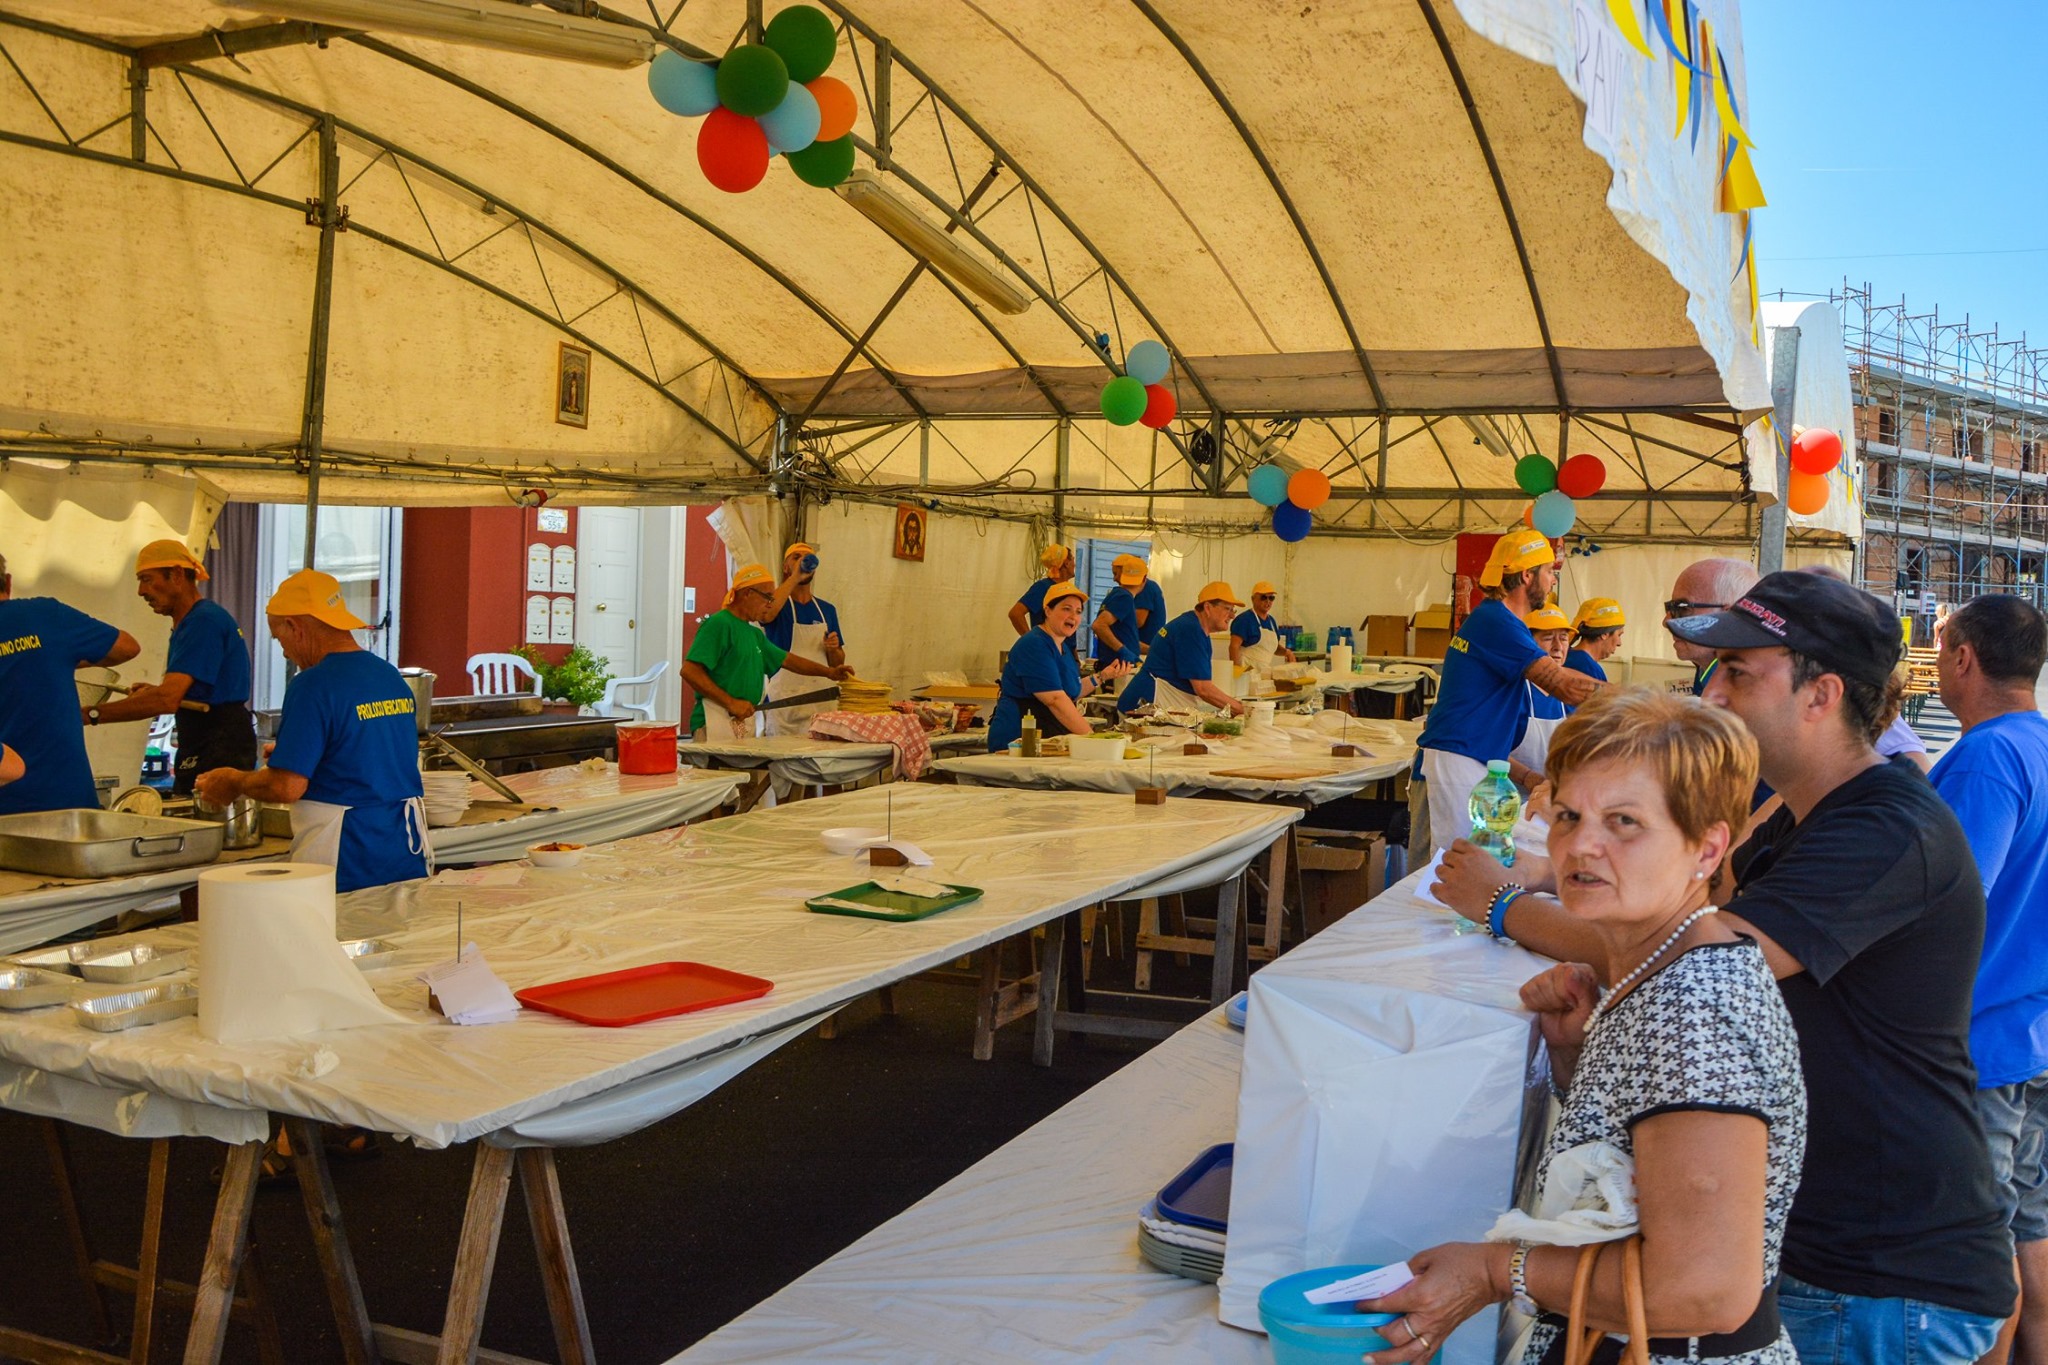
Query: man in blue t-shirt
347, 756
1995, 778
804, 624
1255, 629
1176, 674
1028, 610
42, 644
1482, 699
206, 676
1596, 635
1117, 629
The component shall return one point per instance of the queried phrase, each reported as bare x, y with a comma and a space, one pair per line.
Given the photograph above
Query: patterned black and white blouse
1709, 1032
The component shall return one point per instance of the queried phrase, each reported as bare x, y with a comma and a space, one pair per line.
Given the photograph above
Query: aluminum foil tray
32, 988
134, 1009
369, 952
137, 962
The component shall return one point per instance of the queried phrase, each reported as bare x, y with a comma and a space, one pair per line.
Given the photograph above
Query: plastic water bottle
1495, 807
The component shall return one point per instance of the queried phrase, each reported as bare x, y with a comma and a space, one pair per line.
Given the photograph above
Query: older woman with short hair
1686, 1064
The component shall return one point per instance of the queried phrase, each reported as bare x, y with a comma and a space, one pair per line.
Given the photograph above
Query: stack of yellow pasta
864, 698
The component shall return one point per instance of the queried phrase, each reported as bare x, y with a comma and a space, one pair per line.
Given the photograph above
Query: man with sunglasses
1254, 631
1704, 586
731, 659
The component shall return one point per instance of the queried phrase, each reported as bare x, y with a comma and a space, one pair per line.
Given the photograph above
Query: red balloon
1816, 450
1807, 493
1159, 406
1581, 476
836, 107
732, 151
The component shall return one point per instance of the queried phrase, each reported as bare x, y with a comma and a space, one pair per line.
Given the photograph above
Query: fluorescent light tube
533, 30
930, 242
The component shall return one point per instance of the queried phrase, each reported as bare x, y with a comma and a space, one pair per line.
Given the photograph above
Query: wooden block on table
886, 857
1192, 748
1151, 796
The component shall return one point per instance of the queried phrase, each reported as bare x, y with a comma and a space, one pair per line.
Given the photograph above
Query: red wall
464, 587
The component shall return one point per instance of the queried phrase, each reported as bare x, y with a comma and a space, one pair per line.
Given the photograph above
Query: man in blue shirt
1482, 699
347, 757
1702, 586
1176, 675
1028, 610
1117, 629
1995, 778
1150, 604
803, 624
42, 644
1255, 629
208, 666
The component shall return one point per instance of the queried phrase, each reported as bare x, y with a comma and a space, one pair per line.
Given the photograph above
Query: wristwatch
1518, 1282
92, 715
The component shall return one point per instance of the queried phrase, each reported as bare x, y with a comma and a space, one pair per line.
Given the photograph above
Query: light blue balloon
682, 86
1554, 513
1268, 485
793, 124
1148, 362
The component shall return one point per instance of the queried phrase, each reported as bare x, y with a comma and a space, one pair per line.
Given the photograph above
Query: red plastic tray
637, 994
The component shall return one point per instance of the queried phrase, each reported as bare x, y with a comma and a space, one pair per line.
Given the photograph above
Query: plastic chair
610, 705
501, 675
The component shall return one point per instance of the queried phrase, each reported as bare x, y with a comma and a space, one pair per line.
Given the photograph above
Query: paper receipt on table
1372, 1284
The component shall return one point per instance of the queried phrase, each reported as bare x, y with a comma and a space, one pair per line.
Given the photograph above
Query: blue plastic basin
1305, 1333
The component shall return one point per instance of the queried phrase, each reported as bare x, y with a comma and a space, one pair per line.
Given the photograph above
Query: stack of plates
866, 698
447, 797
1182, 1231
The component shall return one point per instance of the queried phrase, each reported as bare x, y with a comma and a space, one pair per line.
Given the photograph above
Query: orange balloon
1806, 493
1529, 516
1308, 489
836, 109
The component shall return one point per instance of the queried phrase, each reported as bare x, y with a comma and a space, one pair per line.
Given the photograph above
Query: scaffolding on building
1952, 428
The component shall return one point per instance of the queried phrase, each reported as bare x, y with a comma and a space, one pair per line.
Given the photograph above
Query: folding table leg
74, 1227
985, 992
476, 1256
148, 1276
550, 1223
1223, 971
224, 1248
330, 1241
1148, 927
1276, 890
1051, 952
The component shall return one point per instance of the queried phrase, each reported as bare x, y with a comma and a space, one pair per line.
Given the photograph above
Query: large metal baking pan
133, 1009
104, 843
136, 962
31, 988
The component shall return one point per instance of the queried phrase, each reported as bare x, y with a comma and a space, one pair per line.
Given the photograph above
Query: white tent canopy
1388, 231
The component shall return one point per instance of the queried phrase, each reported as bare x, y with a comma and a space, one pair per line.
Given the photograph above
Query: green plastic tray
892, 905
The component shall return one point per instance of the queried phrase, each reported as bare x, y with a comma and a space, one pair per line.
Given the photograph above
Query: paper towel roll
1340, 658
269, 964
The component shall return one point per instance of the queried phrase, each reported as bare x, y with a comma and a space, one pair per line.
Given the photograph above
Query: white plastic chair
610, 705
502, 675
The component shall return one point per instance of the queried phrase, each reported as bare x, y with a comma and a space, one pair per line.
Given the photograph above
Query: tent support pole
138, 111
1770, 542
1379, 478
326, 214
1061, 471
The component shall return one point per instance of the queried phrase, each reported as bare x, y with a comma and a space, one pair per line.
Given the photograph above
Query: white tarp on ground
1301, 202
745, 881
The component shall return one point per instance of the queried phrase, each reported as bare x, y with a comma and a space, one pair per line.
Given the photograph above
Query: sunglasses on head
1678, 606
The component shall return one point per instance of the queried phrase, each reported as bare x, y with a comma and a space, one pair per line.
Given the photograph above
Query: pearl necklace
1600, 1009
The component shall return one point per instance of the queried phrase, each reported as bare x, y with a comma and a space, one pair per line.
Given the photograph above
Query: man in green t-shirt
730, 660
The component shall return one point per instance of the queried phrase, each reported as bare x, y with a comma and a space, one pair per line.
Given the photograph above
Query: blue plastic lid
1282, 1300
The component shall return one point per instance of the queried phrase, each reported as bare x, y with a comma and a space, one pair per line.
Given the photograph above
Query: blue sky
1904, 142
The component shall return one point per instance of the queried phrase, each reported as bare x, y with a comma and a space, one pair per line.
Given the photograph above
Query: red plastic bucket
647, 746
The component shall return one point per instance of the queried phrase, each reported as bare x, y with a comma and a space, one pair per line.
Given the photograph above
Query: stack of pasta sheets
864, 698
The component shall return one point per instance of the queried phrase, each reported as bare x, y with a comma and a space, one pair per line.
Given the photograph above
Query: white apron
1261, 656
806, 641
316, 832
1534, 750
1167, 697
720, 725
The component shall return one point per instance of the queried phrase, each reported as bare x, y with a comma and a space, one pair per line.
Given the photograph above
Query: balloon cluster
1140, 394
1291, 496
766, 99
1556, 489
1815, 453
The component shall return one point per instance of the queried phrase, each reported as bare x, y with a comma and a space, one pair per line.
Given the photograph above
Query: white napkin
1589, 1195
469, 991
1428, 879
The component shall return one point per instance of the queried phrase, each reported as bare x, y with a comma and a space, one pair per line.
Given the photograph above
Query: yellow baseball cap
1218, 591
751, 576
1546, 618
1598, 613
1052, 556
1263, 587
1521, 549
799, 548
312, 593
1130, 570
169, 554
1062, 590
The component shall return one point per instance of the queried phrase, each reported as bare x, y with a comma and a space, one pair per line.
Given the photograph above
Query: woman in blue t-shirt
1042, 678
1597, 628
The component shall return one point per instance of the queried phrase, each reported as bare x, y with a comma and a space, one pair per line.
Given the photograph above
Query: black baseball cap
1844, 628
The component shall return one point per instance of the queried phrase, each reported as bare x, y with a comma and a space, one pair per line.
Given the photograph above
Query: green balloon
824, 164
752, 80
1123, 400
1535, 474
805, 37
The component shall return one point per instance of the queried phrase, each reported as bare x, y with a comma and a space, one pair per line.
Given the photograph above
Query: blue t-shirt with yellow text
1181, 656
1482, 700
42, 643
348, 729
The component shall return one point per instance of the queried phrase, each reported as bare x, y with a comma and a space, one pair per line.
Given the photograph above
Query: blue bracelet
1496, 918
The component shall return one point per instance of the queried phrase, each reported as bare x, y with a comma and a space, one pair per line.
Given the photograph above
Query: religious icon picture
572, 386
909, 532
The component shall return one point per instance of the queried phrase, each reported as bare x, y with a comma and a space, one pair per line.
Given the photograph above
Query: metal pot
242, 820
421, 681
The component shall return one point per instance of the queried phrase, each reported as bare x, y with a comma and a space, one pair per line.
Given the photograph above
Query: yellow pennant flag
1724, 102
1740, 191
1681, 72
1623, 12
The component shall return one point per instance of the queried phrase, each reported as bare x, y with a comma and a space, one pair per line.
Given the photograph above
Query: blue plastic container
1305, 1333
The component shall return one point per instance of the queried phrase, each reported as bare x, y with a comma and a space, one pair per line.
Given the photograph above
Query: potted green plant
576, 682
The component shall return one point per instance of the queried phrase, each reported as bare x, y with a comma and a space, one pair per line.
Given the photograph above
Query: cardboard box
1386, 635
1433, 632
1339, 873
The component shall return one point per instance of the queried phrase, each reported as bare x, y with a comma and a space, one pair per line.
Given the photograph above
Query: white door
361, 546
608, 585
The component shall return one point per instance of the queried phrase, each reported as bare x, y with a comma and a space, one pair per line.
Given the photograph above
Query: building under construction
1951, 421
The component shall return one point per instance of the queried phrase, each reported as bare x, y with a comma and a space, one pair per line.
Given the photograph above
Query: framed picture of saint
910, 529
572, 386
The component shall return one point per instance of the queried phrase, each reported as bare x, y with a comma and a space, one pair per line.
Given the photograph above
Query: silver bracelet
1518, 1282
